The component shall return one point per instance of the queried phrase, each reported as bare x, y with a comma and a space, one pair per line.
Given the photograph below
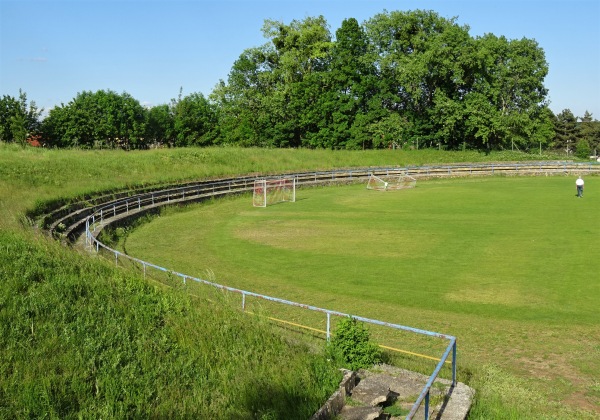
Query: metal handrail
425, 393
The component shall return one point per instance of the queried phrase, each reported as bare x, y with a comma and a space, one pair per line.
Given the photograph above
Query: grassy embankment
73, 342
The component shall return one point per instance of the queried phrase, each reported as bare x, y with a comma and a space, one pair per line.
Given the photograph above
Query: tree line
401, 79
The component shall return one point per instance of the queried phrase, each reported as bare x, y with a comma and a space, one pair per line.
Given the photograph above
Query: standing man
579, 184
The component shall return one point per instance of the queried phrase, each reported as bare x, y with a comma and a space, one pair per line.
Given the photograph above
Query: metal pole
454, 364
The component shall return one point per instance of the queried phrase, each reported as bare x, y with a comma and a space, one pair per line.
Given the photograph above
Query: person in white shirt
579, 184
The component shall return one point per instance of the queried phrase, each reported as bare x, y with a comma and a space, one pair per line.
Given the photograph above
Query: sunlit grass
475, 258
479, 246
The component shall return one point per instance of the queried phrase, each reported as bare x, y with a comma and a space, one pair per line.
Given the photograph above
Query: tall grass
80, 339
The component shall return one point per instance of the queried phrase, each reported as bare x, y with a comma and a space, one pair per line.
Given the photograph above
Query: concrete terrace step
370, 391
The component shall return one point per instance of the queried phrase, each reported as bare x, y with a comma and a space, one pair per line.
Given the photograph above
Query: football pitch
509, 265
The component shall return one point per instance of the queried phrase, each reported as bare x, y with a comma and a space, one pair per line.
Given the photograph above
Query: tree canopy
18, 119
402, 78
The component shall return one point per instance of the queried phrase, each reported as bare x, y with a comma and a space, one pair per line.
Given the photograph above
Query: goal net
271, 191
390, 182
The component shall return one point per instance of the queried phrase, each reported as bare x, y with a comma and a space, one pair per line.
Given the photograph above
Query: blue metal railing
424, 396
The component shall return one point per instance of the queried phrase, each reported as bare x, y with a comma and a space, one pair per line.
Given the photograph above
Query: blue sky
54, 49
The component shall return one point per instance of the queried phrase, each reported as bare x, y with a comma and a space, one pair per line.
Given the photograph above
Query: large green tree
18, 119
450, 88
507, 102
248, 106
590, 133
194, 121
272, 91
160, 126
301, 52
567, 132
344, 112
97, 119
420, 60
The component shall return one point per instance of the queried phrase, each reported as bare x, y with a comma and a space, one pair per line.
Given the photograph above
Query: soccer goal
271, 191
390, 182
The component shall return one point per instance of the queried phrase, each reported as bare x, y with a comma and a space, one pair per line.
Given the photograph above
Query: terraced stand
67, 222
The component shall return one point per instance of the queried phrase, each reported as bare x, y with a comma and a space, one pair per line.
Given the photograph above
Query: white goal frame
390, 182
272, 191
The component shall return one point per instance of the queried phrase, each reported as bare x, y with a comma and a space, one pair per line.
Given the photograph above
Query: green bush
351, 345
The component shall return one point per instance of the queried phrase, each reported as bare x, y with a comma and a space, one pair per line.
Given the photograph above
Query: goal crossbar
272, 191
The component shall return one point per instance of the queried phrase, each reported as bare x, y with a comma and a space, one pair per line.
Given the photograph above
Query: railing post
139, 203
243, 301
427, 405
454, 363
328, 325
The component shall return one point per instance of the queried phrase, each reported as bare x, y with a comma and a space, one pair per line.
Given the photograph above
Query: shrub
351, 345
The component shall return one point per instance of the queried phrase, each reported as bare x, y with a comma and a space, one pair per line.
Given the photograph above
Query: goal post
272, 191
390, 182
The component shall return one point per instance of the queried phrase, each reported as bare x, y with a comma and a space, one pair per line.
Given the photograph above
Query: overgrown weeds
81, 339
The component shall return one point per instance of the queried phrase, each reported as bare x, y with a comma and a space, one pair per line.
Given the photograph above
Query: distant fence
97, 218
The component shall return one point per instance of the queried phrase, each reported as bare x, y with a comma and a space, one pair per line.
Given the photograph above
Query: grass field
508, 265
79, 338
